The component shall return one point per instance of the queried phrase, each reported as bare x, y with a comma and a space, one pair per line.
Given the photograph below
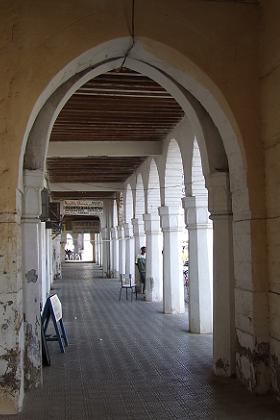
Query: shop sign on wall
83, 207
86, 226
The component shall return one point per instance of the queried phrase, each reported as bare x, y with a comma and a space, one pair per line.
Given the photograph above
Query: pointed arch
139, 197
153, 193
115, 213
174, 176
128, 204
197, 178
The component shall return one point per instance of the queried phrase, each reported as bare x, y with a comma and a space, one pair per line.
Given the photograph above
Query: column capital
137, 222
219, 195
114, 232
104, 233
171, 218
128, 231
195, 201
32, 202
152, 223
138, 227
120, 231
196, 212
33, 178
151, 217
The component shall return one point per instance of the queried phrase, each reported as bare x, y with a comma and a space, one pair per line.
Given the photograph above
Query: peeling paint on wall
252, 366
222, 367
275, 373
32, 365
9, 382
31, 276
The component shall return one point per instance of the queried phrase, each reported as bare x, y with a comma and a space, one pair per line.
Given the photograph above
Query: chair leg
126, 295
135, 292
120, 294
131, 295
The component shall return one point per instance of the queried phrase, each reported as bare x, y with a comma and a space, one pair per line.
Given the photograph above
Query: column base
10, 405
275, 365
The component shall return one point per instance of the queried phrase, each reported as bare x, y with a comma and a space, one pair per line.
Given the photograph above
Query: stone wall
214, 43
270, 119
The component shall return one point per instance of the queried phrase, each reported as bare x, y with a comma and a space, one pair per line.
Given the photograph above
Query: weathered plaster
252, 363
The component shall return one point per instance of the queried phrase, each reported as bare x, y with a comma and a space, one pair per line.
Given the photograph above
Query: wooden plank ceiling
116, 106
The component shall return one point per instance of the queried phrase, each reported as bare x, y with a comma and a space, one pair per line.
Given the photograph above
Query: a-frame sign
53, 311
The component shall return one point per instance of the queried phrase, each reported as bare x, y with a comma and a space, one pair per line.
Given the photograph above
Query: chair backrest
131, 280
127, 280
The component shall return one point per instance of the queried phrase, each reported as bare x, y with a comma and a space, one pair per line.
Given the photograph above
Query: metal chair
127, 283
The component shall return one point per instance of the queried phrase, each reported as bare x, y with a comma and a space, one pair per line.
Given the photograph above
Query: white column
80, 243
121, 249
97, 249
154, 281
101, 249
139, 234
93, 244
171, 219
32, 288
75, 243
42, 263
223, 275
62, 246
115, 251
139, 241
106, 251
49, 259
200, 264
129, 250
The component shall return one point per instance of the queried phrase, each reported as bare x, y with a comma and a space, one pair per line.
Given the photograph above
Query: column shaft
115, 251
154, 281
224, 338
121, 249
32, 292
97, 248
93, 243
106, 252
200, 264
129, 250
173, 285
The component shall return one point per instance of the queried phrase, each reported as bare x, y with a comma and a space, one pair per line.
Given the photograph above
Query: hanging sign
83, 207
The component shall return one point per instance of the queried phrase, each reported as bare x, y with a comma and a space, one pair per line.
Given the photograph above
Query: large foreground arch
201, 100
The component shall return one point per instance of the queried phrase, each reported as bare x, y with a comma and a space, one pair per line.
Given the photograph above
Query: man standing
141, 264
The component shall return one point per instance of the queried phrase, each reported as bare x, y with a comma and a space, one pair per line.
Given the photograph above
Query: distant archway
200, 101
153, 190
174, 176
139, 198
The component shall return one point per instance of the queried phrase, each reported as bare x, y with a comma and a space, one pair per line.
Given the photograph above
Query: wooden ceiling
96, 169
116, 106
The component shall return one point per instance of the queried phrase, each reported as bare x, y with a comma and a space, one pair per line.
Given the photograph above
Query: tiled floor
129, 361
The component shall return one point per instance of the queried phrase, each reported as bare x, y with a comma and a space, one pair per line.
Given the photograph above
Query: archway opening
154, 240
172, 188
174, 234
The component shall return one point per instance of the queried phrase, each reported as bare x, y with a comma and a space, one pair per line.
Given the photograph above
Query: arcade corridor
129, 361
